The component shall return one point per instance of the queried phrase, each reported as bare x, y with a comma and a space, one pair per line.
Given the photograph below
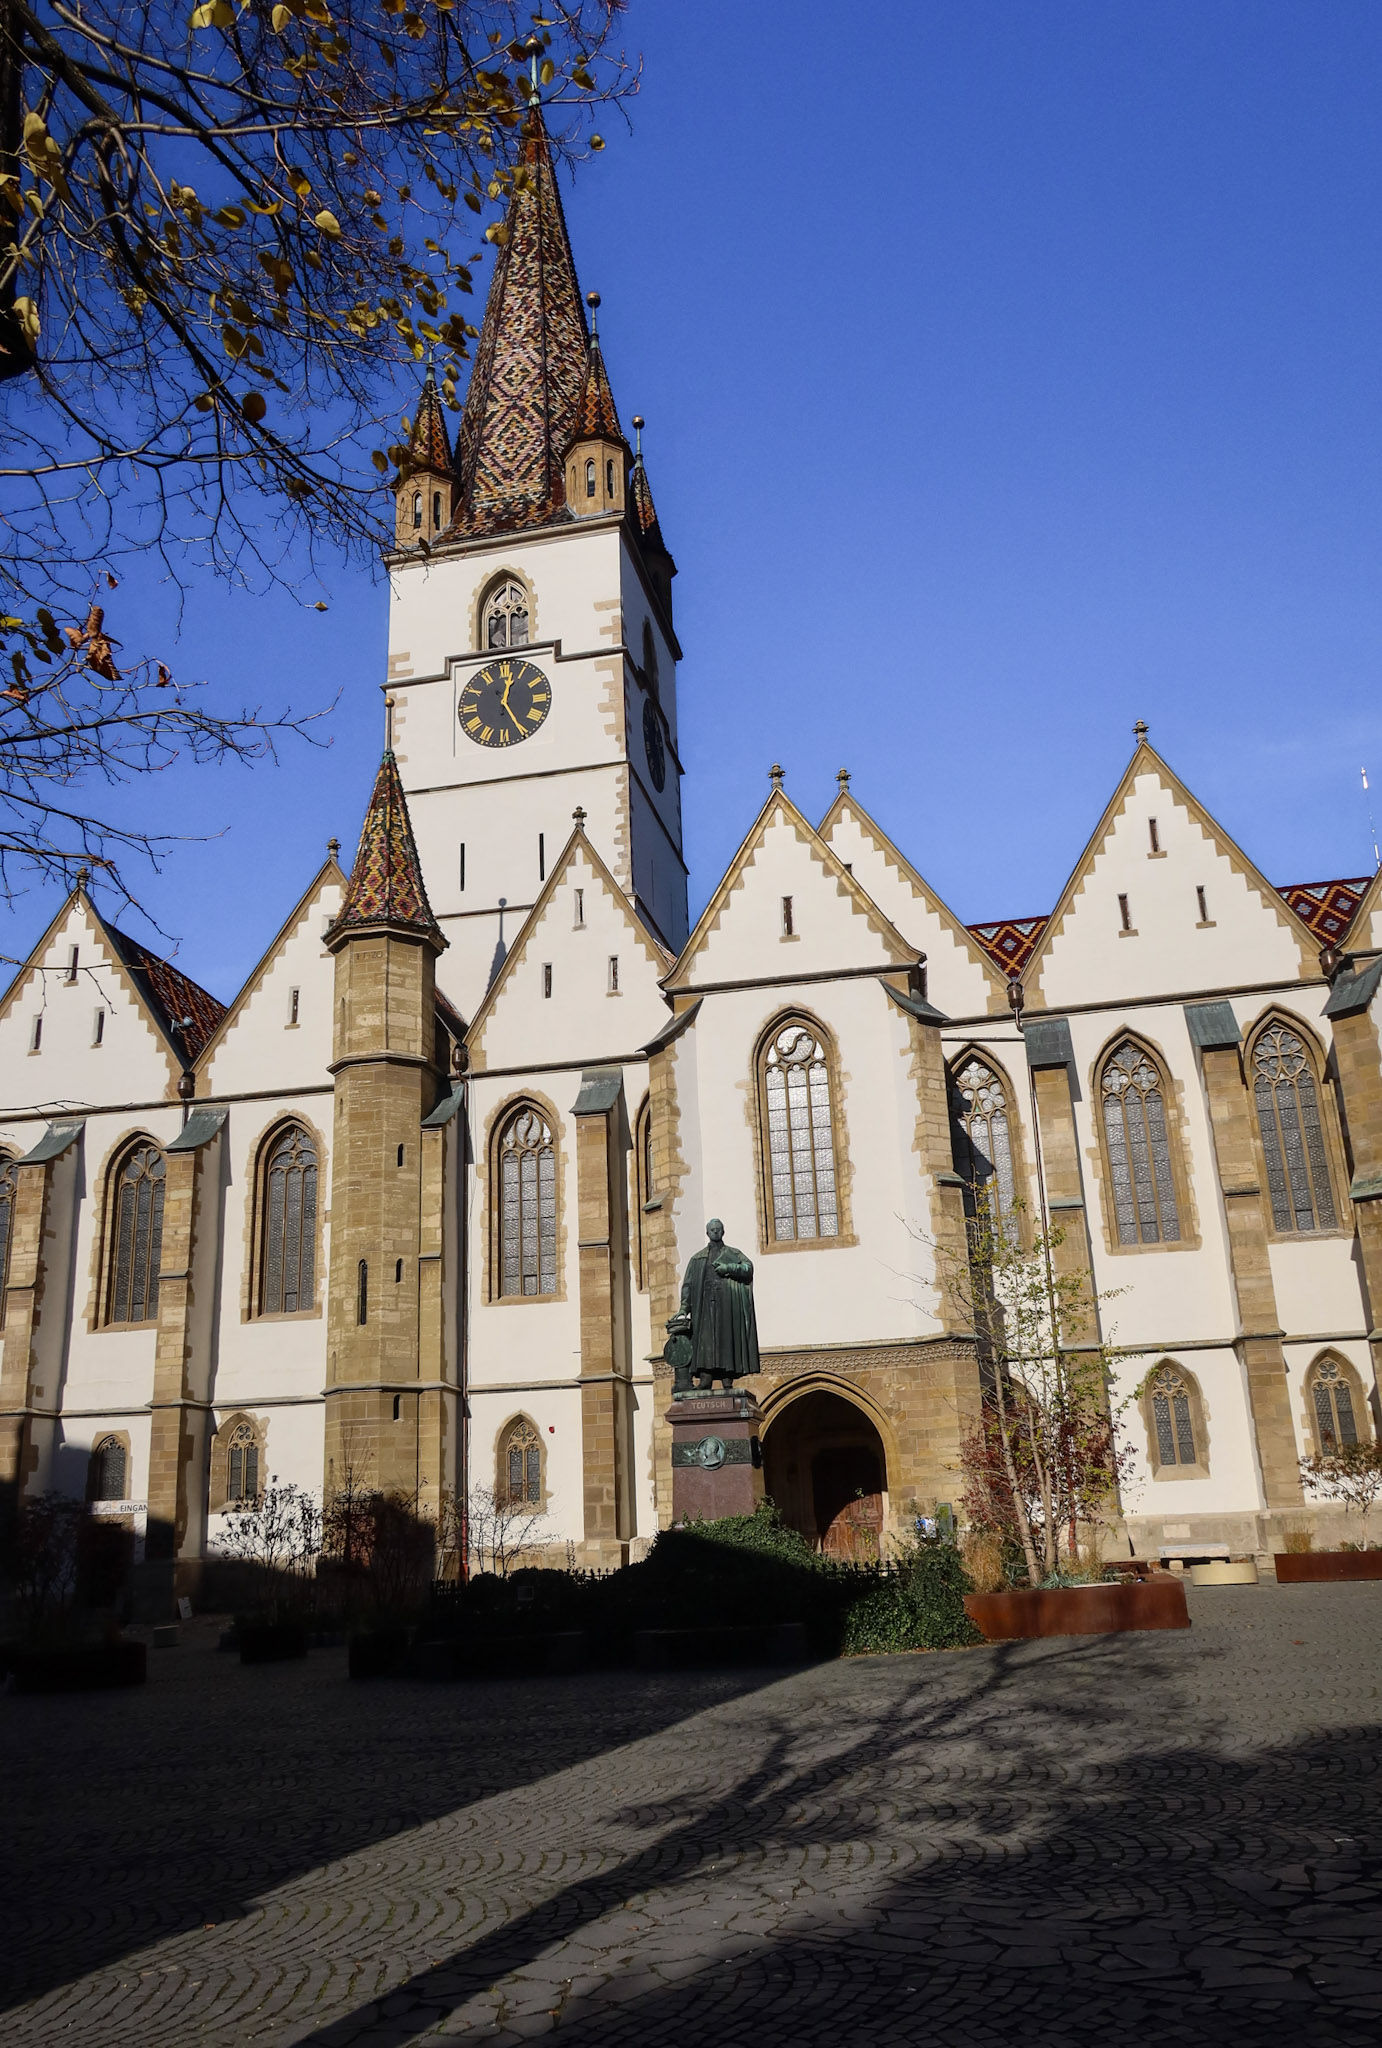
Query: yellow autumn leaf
380, 461
327, 222
253, 407
214, 14
280, 18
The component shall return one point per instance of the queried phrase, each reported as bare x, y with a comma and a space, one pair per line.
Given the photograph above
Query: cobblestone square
1150, 1839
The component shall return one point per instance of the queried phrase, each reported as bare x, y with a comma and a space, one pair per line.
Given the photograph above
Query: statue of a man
714, 1334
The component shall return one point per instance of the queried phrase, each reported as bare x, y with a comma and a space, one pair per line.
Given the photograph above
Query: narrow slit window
1124, 914
1153, 835
72, 958
546, 977
1173, 1419
400, 1155
362, 1291
983, 1147
417, 509
436, 508
542, 857
36, 1035
579, 896
242, 1465
614, 974
590, 478
397, 1407
1204, 907
462, 866
294, 995
787, 926
108, 1470
609, 479
397, 1271
98, 1028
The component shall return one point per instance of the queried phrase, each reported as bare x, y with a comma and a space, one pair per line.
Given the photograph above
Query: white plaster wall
1246, 941
556, 1415
69, 1071
956, 982
831, 928
1318, 1285
260, 1047
1233, 1484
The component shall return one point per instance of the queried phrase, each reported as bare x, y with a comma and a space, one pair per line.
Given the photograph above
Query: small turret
597, 455
427, 478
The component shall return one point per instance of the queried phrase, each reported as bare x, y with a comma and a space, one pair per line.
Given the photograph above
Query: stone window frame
491, 584
107, 1244
501, 1458
644, 1187
218, 1495
1362, 1409
1178, 1146
1329, 1124
256, 1221
492, 1195
769, 1244
1022, 1181
1199, 1423
99, 1441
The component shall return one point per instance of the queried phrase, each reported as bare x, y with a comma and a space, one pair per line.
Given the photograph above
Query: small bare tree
279, 1537
1350, 1473
503, 1534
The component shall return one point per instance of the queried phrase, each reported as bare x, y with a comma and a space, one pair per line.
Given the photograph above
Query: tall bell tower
532, 651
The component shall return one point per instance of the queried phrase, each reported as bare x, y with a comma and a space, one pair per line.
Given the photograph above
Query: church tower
389, 1419
532, 653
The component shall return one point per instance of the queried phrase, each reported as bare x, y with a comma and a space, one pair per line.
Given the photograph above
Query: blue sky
1012, 370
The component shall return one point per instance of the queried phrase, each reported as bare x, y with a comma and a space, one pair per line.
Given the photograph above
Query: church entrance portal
824, 1466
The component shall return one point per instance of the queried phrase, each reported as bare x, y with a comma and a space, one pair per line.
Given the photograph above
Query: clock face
652, 742
504, 703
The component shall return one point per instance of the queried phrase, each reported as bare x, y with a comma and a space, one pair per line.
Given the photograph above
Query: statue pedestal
717, 1465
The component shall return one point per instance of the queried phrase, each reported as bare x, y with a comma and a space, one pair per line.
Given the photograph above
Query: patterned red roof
386, 885
530, 364
641, 498
596, 413
186, 1013
1010, 942
429, 444
1329, 908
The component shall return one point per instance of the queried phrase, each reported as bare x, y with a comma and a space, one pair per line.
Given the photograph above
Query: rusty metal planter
1320, 1567
1157, 1602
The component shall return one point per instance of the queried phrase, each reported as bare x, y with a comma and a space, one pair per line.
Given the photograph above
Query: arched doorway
824, 1465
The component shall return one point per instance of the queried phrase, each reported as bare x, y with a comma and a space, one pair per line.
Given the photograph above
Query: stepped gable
429, 444
170, 994
1011, 942
386, 886
1329, 908
530, 364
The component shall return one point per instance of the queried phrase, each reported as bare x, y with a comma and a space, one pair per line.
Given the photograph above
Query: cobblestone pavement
1143, 1839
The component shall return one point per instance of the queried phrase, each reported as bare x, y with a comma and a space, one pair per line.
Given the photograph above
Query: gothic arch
239, 1470
828, 1455
520, 1465
1173, 1416
1295, 1126
1336, 1403
130, 1246
524, 1202
978, 1141
802, 1191
1144, 1182
505, 593
269, 1264
108, 1467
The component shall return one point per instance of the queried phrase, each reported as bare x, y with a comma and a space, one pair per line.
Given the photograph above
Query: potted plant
61, 1646
275, 1539
1352, 1475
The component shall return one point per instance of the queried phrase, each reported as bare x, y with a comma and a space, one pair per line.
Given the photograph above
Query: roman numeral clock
504, 703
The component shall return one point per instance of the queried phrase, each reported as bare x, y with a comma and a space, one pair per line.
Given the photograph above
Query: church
411, 1209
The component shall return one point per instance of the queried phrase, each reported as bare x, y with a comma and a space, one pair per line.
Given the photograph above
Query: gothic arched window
984, 1149
288, 1224
590, 478
1291, 1129
242, 1464
436, 508
1333, 1406
800, 1137
1172, 1402
1132, 1099
136, 1238
7, 1195
417, 508
506, 616
520, 1465
527, 1206
109, 1466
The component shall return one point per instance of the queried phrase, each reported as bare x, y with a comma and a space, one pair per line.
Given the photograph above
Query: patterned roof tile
1329, 908
386, 886
186, 1012
429, 444
1011, 941
596, 414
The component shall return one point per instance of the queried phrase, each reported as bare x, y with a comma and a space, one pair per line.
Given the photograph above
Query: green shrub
919, 1606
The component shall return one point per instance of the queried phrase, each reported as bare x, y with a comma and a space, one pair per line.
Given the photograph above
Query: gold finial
592, 300
775, 773
638, 425
531, 48
388, 723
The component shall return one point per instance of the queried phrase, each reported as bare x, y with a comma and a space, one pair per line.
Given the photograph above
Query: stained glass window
137, 1238
1139, 1149
801, 1142
527, 1207
984, 1143
242, 1464
1288, 1117
289, 1224
506, 616
1335, 1422
108, 1470
1172, 1418
7, 1194
520, 1465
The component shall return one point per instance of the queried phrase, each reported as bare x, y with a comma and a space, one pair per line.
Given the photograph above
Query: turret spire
386, 887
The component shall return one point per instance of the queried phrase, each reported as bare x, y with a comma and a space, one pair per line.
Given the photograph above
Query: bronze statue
714, 1334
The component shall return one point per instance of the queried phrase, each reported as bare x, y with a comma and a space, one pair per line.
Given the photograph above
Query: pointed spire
597, 417
640, 491
531, 362
386, 886
429, 444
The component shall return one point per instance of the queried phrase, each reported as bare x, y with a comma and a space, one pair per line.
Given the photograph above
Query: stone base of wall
1246, 1535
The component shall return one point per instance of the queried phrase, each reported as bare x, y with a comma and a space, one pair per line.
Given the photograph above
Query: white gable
831, 926
1177, 942
79, 1062
955, 980
269, 1040
581, 927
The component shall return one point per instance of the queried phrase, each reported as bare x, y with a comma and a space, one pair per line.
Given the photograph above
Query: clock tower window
505, 621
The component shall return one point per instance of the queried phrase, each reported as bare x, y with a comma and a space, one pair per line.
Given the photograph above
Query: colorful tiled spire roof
386, 886
429, 444
596, 413
530, 364
641, 498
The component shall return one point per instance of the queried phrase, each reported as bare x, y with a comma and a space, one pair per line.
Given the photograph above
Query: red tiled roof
641, 497
386, 885
429, 444
186, 1013
596, 414
1011, 941
1329, 908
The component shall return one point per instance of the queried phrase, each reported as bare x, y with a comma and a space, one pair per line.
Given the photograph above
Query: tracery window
984, 1152
289, 1224
506, 616
1173, 1420
520, 1465
1331, 1397
136, 1236
1288, 1118
8, 1189
242, 1464
1139, 1148
527, 1206
800, 1135
108, 1470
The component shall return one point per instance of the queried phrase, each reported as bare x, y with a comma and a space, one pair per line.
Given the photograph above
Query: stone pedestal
717, 1463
